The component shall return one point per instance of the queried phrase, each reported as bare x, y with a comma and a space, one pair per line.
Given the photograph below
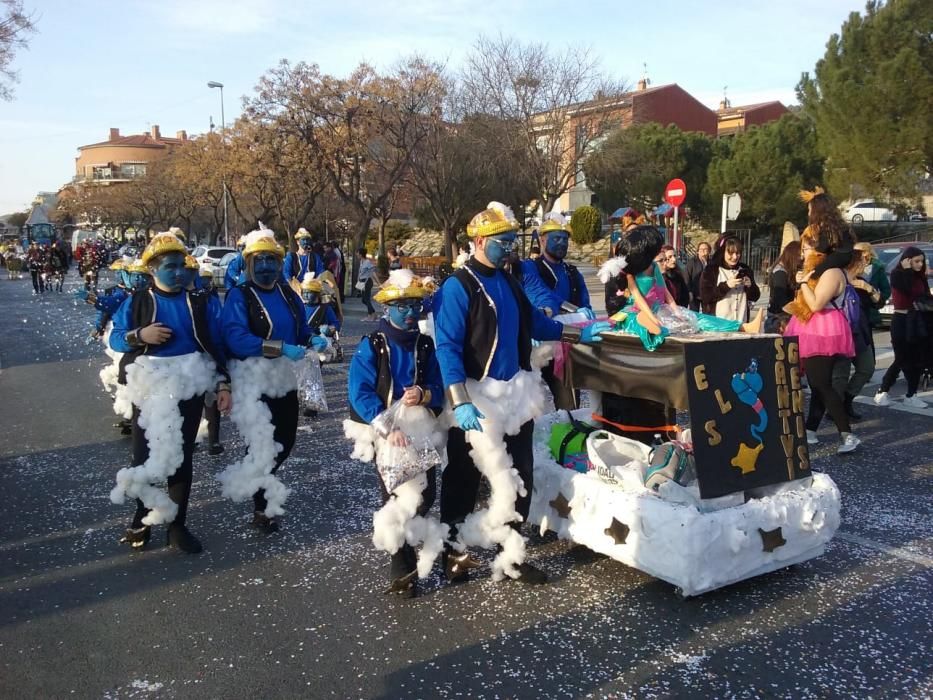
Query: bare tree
359, 131
559, 104
15, 26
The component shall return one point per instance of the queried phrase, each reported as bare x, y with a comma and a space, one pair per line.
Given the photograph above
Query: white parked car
868, 210
207, 256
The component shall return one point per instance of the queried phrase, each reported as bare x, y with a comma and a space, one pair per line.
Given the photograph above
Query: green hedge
585, 225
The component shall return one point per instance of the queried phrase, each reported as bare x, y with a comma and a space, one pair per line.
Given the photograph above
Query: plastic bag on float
617, 460
311, 384
400, 463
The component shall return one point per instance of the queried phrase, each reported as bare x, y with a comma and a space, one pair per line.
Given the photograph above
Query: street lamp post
223, 125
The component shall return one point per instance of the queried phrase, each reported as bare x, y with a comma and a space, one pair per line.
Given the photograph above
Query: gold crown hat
206, 272
191, 263
178, 232
496, 218
162, 243
302, 233
806, 196
241, 240
262, 240
138, 266
555, 221
404, 284
118, 264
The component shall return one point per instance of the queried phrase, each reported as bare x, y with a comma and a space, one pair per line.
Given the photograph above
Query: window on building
132, 170
102, 172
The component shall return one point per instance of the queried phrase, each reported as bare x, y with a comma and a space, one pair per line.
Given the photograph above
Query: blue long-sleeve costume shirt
541, 295
302, 263
450, 321
107, 305
171, 310
363, 377
241, 342
329, 318
232, 277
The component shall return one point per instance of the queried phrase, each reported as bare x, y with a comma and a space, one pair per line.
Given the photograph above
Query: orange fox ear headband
807, 196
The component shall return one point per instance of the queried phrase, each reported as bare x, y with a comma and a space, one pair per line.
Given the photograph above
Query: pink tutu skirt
827, 333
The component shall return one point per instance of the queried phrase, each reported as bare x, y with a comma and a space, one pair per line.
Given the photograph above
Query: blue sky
96, 64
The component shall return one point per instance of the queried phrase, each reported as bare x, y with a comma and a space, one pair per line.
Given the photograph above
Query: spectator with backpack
824, 335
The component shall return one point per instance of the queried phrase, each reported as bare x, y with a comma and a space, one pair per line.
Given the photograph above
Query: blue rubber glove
81, 294
241, 278
293, 352
590, 334
468, 416
588, 312
319, 343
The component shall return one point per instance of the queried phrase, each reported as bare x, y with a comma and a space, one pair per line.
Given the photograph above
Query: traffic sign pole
675, 194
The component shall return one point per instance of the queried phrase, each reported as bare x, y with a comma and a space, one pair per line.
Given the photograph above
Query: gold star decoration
771, 539
746, 457
561, 505
617, 531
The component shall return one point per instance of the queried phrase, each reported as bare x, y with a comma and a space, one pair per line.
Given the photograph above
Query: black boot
215, 449
403, 573
531, 575
850, 408
179, 536
264, 523
457, 566
137, 537
309, 413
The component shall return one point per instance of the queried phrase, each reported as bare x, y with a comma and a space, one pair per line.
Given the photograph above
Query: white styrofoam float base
694, 550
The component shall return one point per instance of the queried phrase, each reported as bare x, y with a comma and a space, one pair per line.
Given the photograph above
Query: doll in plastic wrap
395, 395
650, 311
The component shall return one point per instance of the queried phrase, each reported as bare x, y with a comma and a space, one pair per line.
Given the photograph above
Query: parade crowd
447, 385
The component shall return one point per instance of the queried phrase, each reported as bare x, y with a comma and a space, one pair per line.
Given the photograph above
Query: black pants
212, 416
564, 398
823, 397
907, 357
460, 480
38, 284
367, 296
179, 483
285, 421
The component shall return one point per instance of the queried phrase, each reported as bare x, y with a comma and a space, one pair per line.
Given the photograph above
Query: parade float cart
755, 505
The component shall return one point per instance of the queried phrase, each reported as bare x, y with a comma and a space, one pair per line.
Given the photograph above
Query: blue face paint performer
304, 260
556, 287
236, 273
397, 363
192, 273
320, 313
266, 333
172, 354
484, 329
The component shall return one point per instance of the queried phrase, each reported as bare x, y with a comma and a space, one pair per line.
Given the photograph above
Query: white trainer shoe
849, 443
914, 402
881, 399
812, 439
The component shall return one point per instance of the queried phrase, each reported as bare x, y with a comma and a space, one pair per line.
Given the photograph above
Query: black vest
142, 311
547, 275
481, 323
259, 323
424, 347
